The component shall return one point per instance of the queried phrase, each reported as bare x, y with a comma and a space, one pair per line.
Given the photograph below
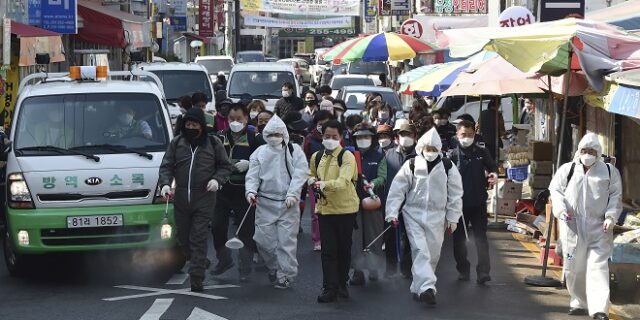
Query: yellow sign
10, 81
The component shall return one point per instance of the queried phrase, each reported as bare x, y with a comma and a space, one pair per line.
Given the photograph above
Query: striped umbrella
378, 47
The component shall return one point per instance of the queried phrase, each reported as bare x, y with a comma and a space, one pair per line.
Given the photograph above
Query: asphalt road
127, 285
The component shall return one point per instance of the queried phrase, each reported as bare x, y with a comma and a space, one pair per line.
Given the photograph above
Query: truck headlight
19, 194
23, 238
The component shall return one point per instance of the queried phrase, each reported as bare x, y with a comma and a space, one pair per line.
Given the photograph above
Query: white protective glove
452, 226
165, 192
242, 165
311, 181
251, 198
608, 224
291, 201
213, 185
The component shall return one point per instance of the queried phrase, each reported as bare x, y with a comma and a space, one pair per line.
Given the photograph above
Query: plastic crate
518, 173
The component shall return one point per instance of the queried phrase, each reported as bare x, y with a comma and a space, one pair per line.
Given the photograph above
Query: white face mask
406, 108
383, 115
253, 114
442, 122
406, 141
430, 156
466, 142
126, 118
363, 143
384, 142
285, 93
274, 141
587, 159
319, 128
236, 126
330, 144
429, 102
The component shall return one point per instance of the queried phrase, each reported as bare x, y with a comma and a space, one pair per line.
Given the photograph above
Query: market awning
34, 40
624, 15
194, 36
113, 28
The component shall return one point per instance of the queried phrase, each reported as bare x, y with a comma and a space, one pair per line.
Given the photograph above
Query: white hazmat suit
276, 176
440, 194
590, 198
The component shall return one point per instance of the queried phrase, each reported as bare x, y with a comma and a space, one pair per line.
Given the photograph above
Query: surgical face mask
430, 156
253, 114
442, 122
125, 119
236, 126
587, 159
285, 93
363, 143
466, 142
406, 141
274, 141
191, 133
330, 144
429, 102
384, 142
406, 108
383, 115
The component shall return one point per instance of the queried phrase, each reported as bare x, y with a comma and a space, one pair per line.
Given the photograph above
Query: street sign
559, 9
35, 12
206, 18
60, 16
412, 27
394, 8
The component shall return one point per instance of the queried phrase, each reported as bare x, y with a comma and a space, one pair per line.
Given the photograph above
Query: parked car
215, 64
354, 97
371, 69
301, 67
250, 56
341, 80
261, 80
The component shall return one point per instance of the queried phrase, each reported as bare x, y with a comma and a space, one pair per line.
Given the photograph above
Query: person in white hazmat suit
277, 172
586, 196
434, 184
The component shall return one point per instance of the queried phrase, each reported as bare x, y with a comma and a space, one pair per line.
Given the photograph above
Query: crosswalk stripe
157, 309
199, 314
178, 279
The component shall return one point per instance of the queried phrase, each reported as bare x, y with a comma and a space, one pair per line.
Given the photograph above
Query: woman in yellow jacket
337, 207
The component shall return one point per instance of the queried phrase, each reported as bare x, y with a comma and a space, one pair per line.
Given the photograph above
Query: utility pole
237, 26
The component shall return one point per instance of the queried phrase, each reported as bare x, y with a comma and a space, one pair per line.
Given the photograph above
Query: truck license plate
94, 221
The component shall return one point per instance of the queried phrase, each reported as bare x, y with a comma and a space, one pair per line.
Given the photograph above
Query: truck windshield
216, 65
178, 83
262, 84
132, 121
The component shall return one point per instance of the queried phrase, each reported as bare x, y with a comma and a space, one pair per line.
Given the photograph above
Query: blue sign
179, 23
35, 12
60, 16
626, 101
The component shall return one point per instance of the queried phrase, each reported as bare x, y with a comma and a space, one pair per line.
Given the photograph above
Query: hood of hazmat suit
441, 194
589, 197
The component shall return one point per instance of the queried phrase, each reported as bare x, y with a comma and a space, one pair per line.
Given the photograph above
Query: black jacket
472, 162
286, 105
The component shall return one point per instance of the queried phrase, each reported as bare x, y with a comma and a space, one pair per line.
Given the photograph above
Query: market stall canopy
437, 80
621, 97
625, 15
494, 77
35, 40
112, 27
578, 84
382, 46
599, 48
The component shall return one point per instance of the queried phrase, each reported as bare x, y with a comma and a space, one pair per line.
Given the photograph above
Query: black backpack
445, 161
319, 154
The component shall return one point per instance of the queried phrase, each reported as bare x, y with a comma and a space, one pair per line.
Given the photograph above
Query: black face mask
309, 102
191, 134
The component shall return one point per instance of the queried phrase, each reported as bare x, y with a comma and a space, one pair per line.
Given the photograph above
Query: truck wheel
15, 262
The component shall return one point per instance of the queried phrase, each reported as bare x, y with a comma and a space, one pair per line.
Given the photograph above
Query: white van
82, 166
261, 80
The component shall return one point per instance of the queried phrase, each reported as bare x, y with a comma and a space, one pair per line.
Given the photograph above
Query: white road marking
178, 278
157, 309
159, 292
199, 314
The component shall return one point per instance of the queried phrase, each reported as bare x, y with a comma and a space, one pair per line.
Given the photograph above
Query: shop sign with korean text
206, 18
516, 16
394, 8
290, 32
297, 24
305, 7
454, 6
60, 16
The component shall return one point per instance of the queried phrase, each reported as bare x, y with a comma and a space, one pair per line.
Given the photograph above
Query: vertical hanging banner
11, 81
206, 18
219, 10
60, 16
6, 41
